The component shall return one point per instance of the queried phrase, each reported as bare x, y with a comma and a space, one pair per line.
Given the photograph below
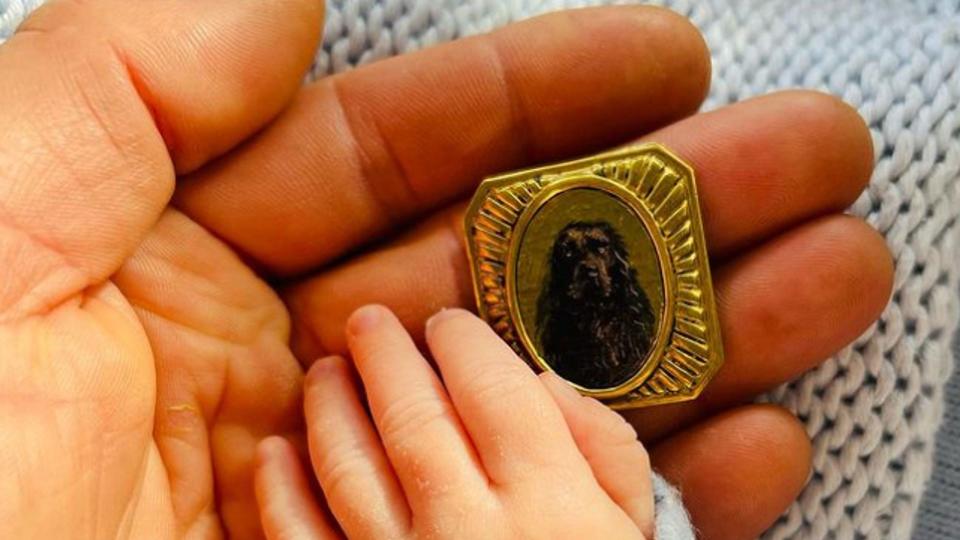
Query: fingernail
324, 364
444, 313
319, 370
364, 319
269, 448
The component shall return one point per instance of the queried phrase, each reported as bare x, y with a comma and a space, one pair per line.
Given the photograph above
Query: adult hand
143, 357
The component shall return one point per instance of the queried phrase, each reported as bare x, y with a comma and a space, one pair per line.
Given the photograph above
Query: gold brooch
597, 270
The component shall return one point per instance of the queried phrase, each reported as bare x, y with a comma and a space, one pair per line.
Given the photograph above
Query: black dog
595, 322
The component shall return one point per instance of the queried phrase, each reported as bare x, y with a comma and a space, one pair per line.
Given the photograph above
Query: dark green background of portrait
581, 204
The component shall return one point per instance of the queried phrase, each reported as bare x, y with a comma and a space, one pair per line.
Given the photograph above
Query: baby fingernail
365, 319
439, 316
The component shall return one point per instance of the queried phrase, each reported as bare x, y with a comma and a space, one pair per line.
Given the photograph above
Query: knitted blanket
874, 408
937, 519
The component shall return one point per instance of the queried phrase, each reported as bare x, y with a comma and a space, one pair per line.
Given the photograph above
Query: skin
451, 458
162, 171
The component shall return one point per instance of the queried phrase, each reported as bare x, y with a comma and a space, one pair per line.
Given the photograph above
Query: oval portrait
588, 288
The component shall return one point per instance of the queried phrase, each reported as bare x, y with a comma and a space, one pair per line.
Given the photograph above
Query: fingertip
366, 319
800, 298
758, 456
858, 140
690, 48
306, 17
822, 113
865, 149
657, 32
237, 69
269, 448
269, 467
444, 316
776, 427
857, 256
285, 501
451, 331
323, 368
326, 373
876, 256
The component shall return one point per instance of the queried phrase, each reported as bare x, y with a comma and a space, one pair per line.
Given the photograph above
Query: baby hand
491, 450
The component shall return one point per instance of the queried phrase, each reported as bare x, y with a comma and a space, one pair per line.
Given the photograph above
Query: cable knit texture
938, 518
874, 408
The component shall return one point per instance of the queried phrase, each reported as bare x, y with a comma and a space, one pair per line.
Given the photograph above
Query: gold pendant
597, 270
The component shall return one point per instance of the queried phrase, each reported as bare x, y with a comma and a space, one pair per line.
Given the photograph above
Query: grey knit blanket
872, 410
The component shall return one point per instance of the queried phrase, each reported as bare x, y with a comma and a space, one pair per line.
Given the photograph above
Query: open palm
144, 354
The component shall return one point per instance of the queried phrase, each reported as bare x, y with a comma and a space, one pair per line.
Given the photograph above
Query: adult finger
288, 510
103, 101
783, 307
762, 166
357, 479
618, 460
418, 425
418, 274
737, 471
360, 152
208, 73
769, 163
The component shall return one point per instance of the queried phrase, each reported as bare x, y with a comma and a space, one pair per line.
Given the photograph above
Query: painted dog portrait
595, 322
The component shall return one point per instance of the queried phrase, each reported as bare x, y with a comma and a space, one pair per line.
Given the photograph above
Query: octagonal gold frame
660, 190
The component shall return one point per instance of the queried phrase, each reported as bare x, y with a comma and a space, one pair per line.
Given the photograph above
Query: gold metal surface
579, 265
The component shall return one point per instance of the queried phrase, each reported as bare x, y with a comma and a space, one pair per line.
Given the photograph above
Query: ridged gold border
562, 184
664, 186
